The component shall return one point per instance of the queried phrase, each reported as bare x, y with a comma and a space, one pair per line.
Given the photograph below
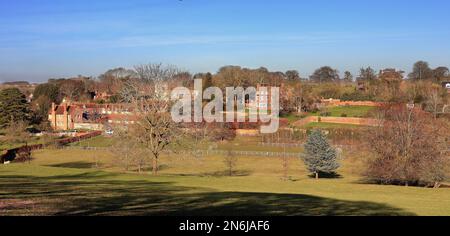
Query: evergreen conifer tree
321, 157
13, 107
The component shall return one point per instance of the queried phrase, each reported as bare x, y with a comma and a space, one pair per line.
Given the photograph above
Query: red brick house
90, 116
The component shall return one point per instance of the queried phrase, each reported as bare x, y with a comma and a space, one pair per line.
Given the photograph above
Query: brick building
263, 99
90, 116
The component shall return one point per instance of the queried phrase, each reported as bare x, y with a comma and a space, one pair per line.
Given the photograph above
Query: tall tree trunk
437, 185
155, 165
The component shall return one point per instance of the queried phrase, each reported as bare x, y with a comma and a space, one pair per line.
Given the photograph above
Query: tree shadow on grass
75, 165
333, 175
415, 184
161, 167
99, 194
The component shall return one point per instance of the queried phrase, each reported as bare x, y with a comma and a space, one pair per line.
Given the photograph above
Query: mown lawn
68, 182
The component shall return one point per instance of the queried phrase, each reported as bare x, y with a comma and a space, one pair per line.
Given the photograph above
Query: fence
204, 152
83, 148
288, 145
244, 153
79, 138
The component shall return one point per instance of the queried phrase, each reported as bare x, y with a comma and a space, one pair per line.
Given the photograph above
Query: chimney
65, 117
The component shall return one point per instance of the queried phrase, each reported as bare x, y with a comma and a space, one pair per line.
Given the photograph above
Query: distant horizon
302, 75
47, 39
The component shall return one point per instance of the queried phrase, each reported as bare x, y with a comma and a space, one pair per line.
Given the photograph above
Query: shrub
357, 96
325, 113
314, 110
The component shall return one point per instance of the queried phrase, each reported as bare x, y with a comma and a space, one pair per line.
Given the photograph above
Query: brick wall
247, 132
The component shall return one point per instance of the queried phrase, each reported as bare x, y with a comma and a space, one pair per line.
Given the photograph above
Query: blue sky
43, 39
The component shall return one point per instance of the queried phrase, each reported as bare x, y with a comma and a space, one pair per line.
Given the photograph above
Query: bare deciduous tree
200, 135
126, 149
148, 81
230, 160
17, 133
285, 165
435, 99
156, 130
408, 146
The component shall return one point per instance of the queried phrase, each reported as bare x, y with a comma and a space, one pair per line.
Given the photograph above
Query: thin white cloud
169, 40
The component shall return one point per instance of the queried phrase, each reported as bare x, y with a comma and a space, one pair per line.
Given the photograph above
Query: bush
314, 110
325, 113
344, 115
357, 96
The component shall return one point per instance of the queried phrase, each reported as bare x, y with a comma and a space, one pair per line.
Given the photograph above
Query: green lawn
99, 141
8, 145
238, 144
243, 143
66, 182
291, 117
350, 111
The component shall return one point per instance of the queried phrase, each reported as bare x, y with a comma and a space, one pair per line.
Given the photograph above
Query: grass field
291, 117
340, 111
68, 182
99, 141
238, 144
8, 145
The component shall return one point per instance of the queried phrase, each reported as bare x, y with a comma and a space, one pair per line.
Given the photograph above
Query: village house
89, 116
263, 98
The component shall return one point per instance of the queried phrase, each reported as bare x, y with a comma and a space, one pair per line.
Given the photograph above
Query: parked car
109, 132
